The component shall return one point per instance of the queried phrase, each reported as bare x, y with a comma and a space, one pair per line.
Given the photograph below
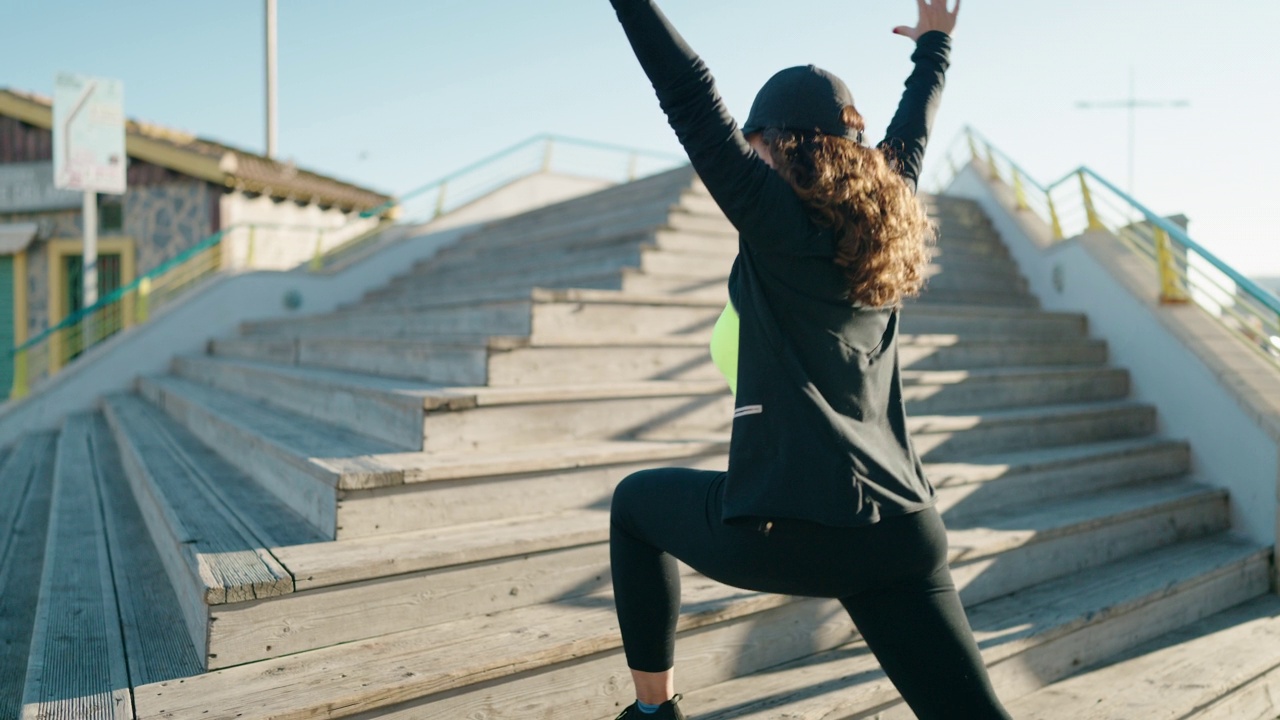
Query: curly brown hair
883, 233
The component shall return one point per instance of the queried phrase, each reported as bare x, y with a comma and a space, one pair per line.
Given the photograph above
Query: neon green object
724, 346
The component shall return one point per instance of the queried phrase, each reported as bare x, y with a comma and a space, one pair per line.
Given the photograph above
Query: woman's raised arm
908, 132
733, 172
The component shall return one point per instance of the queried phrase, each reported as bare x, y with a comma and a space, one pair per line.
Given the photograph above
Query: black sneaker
668, 710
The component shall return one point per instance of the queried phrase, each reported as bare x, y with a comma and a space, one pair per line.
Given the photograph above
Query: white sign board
88, 134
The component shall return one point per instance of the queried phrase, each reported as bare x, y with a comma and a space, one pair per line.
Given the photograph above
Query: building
181, 189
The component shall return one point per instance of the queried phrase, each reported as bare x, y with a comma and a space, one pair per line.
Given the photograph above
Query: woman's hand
933, 16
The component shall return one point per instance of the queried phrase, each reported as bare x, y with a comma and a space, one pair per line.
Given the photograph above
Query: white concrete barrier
1210, 388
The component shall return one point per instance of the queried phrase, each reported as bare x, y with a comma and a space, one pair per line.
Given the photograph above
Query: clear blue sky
393, 93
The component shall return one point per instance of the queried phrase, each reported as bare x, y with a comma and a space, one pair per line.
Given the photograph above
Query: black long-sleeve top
820, 432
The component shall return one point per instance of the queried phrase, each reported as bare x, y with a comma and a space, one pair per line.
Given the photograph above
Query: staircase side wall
218, 308
1209, 387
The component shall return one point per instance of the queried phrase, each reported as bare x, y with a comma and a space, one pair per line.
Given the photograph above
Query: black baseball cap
802, 99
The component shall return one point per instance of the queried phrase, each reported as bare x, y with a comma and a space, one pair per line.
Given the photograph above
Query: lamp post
271, 78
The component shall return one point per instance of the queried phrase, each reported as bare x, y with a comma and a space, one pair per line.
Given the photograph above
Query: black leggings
892, 577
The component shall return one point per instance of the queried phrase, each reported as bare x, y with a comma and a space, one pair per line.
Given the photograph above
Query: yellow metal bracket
1053, 217
1018, 192
20, 384
1172, 291
1095, 222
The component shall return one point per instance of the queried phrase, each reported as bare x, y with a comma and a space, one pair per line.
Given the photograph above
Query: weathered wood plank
210, 555
1178, 675
149, 607
262, 514
77, 666
250, 631
335, 563
373, 673
26, 480
441, 503
305, 486
546, 619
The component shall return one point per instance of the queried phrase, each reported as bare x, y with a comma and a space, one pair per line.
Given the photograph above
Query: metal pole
1133, 124
90, 257
271, 79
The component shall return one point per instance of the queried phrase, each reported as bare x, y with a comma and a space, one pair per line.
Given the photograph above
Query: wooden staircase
400, 509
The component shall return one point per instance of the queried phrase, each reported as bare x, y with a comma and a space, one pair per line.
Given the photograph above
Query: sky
395, 93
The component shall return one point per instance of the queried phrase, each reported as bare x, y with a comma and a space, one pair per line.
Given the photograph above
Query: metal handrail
512, 150
1270, 301
1161, 242
204, 257
114, 296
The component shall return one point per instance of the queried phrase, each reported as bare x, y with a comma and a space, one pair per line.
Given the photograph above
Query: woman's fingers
934, 15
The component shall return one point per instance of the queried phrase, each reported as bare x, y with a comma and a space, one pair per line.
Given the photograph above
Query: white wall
223, 303
1179, 359
288, 234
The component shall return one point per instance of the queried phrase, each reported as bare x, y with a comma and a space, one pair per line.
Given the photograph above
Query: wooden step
523, 361
1225, 666
419, 416
947, 438
390, 411
942, 438
937, 392
1059, 536
996, 297
77, 665
471, 418
1028, 639
26, 483
519, 234
538, 262
450, 291
527, 661
566, 314
212, 525
498, 565
941, 287
703, 223
661, 191
428, 293
689, 241
151, 617
981, 486
458, 362
943, 250
306, 463
955, 352
461, 488
299, 461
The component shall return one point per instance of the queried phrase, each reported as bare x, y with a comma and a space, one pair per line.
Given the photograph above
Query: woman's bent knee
628, 493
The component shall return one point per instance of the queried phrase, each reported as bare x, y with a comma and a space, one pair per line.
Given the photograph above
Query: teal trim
1269, 301
75, 318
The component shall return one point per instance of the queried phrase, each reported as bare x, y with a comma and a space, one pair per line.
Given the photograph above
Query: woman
824, 495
